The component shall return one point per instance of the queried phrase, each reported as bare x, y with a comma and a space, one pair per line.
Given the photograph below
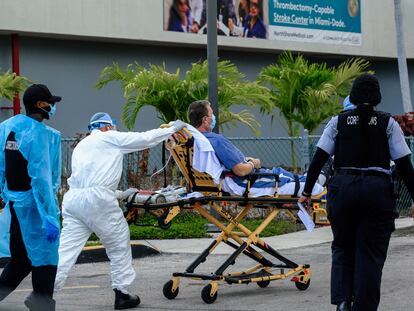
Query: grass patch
276, 227
184, 226
191, 225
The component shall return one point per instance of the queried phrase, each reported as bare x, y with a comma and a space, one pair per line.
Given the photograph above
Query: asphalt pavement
88, 286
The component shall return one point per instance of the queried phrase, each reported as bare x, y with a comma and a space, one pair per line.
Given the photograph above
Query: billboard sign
316, 21
324, 21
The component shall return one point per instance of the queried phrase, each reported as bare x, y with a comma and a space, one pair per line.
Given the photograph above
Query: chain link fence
291, 153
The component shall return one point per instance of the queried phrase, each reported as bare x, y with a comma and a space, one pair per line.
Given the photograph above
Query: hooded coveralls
91, 204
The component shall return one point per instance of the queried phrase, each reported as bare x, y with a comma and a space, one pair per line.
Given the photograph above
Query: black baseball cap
37, 92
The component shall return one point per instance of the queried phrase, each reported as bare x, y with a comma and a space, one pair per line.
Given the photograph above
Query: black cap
37, 92
365, 89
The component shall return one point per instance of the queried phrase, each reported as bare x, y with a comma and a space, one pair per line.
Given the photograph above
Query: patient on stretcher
214, 153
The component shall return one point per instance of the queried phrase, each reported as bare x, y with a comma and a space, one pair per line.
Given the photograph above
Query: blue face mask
52, 111
213, 121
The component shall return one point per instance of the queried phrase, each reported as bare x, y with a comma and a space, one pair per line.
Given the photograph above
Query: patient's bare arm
245, 168
255, 161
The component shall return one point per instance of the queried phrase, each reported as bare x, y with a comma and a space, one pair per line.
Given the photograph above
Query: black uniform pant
361, 212
19, 266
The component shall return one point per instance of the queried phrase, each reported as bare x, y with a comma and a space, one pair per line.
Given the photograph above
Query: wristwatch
305, 194
251, 162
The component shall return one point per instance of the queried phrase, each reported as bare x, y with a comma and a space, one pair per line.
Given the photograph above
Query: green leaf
171, 95
11, 84
306, 94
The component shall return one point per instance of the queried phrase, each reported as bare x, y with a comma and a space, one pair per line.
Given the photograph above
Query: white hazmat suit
91, 203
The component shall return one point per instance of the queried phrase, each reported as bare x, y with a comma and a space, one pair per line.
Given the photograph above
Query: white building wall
142, 20
105, 31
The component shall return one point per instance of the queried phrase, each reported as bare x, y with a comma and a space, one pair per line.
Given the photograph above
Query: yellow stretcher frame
244, 241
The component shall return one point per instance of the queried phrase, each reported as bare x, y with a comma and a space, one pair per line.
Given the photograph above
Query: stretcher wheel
263, 284
161, 222
302, 286
167, 290
205, 294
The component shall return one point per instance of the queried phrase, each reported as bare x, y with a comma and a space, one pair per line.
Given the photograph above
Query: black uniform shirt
17, 176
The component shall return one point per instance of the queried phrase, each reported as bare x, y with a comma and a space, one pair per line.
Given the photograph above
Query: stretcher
270, 264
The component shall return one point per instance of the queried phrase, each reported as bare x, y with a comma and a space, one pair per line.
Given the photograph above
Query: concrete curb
145, 248
97, 253
293, 240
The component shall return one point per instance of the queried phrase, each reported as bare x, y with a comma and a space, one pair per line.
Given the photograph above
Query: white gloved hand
178, 125
122, 195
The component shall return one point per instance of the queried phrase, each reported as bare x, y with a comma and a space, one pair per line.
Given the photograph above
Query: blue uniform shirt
226, 152
396, 141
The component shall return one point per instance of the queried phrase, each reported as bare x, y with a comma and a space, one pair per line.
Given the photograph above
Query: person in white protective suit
91, 204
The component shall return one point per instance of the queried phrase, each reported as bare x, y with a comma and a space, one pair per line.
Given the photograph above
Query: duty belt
356, 172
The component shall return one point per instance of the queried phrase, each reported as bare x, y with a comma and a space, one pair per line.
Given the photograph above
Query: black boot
344, 306
37, 302
125, 301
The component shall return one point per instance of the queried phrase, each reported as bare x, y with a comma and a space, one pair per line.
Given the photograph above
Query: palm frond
11, 84
245, 117
170, 95
347, 72
308, 93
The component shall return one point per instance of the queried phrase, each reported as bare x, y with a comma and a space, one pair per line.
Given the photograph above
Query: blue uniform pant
361, 210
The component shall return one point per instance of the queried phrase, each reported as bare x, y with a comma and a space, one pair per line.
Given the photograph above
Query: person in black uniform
361, 202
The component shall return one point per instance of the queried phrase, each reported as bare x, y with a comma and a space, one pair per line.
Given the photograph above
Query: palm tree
171, 95
308, 93
11, 84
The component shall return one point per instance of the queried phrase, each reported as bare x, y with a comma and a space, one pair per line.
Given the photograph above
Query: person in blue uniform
361, 200
30, 162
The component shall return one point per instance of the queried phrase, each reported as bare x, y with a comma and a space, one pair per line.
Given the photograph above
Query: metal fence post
124, 180
305, 150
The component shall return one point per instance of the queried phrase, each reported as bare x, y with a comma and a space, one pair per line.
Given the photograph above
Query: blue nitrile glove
52, 232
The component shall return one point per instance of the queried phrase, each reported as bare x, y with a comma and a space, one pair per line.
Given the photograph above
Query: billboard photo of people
314, 21
236, 18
